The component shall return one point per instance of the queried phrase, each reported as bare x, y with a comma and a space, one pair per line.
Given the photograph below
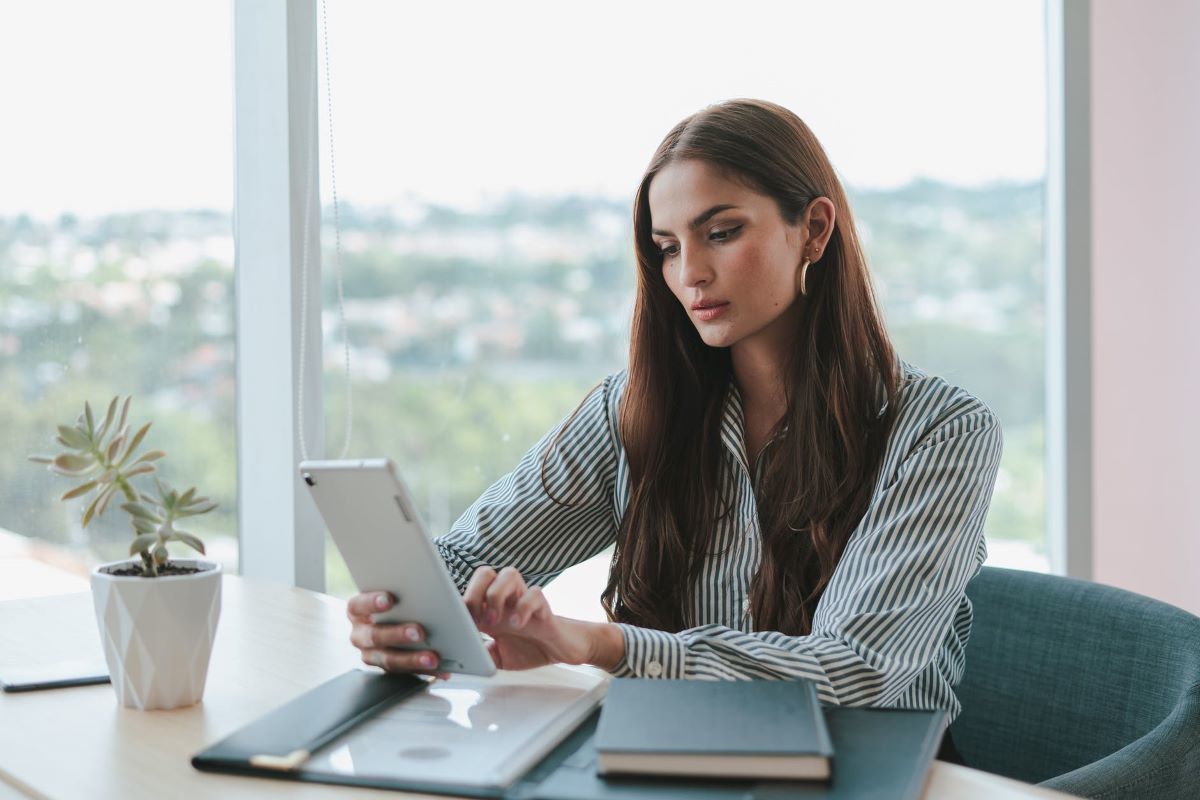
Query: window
116, 257
486, 157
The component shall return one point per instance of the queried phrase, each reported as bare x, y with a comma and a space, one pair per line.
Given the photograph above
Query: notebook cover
882, 754
712, 718
308, 722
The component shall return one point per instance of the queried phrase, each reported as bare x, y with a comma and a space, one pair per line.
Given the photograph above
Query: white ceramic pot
158, 632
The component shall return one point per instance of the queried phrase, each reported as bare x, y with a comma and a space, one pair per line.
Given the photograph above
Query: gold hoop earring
803, 272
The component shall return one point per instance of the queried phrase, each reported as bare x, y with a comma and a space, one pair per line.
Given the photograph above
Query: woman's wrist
606, 645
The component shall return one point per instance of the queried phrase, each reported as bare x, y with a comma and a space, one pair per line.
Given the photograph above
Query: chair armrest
1165, 763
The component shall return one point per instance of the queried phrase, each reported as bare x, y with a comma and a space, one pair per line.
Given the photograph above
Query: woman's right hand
378, 641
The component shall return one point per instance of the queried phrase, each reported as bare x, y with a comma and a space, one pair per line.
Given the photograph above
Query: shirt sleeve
517, 523
892, 598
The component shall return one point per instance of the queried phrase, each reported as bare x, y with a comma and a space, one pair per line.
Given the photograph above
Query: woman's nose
694, 269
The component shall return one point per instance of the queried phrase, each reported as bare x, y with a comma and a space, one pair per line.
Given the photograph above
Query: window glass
116, 266
486, 158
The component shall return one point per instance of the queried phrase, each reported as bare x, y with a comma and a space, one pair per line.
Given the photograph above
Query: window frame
281, 535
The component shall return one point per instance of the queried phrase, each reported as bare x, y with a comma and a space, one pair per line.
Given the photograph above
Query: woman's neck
759, 376
759, 365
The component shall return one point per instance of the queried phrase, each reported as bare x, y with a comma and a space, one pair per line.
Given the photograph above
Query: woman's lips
710, 312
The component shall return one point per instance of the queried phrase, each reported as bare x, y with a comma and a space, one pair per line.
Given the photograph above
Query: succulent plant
104, 456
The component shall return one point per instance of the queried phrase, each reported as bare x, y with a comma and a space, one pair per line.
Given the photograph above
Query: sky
127, 104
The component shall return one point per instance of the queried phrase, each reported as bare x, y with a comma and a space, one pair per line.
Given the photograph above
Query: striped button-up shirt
891, 627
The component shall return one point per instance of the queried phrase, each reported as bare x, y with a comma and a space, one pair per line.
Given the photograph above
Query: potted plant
157, 615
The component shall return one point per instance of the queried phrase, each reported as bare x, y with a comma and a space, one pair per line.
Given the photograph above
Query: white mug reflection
460, 700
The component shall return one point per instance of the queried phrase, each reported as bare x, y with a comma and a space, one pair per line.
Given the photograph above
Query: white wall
1145, 78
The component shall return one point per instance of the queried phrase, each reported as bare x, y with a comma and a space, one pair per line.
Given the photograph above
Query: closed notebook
716, 729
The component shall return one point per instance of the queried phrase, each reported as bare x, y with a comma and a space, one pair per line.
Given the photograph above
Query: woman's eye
724, 235
669, 250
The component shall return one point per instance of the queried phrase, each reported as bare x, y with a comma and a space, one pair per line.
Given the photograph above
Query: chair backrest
1061, 673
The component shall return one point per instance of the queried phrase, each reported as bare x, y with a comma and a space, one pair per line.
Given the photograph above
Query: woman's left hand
526, 632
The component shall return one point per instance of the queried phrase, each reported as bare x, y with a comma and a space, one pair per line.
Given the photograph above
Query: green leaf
73, 437
107, 494
187, 496
91, 421
124, 412
39, 459
67, 464
189, 539
90, 511
142, 543
113, 448
140, 469
139, 510
196, 510
79, 490
135, 441
150, 455
143, 525
160, 555
108, 418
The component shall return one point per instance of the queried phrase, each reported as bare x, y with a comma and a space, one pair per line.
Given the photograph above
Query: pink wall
1145, 64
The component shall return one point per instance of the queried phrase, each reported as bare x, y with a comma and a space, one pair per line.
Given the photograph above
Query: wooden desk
272, 644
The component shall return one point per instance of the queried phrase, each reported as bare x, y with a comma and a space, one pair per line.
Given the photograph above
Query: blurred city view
471, 332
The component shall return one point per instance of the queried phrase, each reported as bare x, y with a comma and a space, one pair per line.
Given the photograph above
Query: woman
786, 498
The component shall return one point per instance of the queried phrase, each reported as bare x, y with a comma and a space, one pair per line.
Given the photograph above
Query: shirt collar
733, 425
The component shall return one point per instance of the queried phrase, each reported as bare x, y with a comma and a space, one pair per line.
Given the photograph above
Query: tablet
374, 523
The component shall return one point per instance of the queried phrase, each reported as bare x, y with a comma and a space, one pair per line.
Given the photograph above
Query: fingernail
427, 661
513, 620
382, 601
413, 635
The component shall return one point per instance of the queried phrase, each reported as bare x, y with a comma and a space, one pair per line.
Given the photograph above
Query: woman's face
728, 255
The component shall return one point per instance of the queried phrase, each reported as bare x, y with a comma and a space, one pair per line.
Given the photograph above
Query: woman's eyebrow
700, 219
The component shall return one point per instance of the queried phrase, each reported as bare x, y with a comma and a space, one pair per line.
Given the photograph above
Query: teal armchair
1083, 688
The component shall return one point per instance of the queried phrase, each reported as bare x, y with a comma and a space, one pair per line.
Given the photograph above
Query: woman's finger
477, 587
362, 606
402, 660
366, 637
503, 594
532, 604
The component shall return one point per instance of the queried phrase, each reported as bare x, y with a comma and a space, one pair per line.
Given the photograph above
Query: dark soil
135, 571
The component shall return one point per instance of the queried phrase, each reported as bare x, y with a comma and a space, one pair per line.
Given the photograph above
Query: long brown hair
817, 478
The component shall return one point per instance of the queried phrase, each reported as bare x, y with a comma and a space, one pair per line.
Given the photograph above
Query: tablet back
374, 523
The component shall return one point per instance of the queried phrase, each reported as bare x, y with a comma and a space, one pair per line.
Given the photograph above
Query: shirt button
746, 604
654, 669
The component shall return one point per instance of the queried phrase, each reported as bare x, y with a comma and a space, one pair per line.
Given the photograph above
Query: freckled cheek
762, 274
669, 277
749, 269
749, 262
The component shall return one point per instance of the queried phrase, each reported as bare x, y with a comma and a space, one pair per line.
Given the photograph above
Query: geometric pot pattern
158, 632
